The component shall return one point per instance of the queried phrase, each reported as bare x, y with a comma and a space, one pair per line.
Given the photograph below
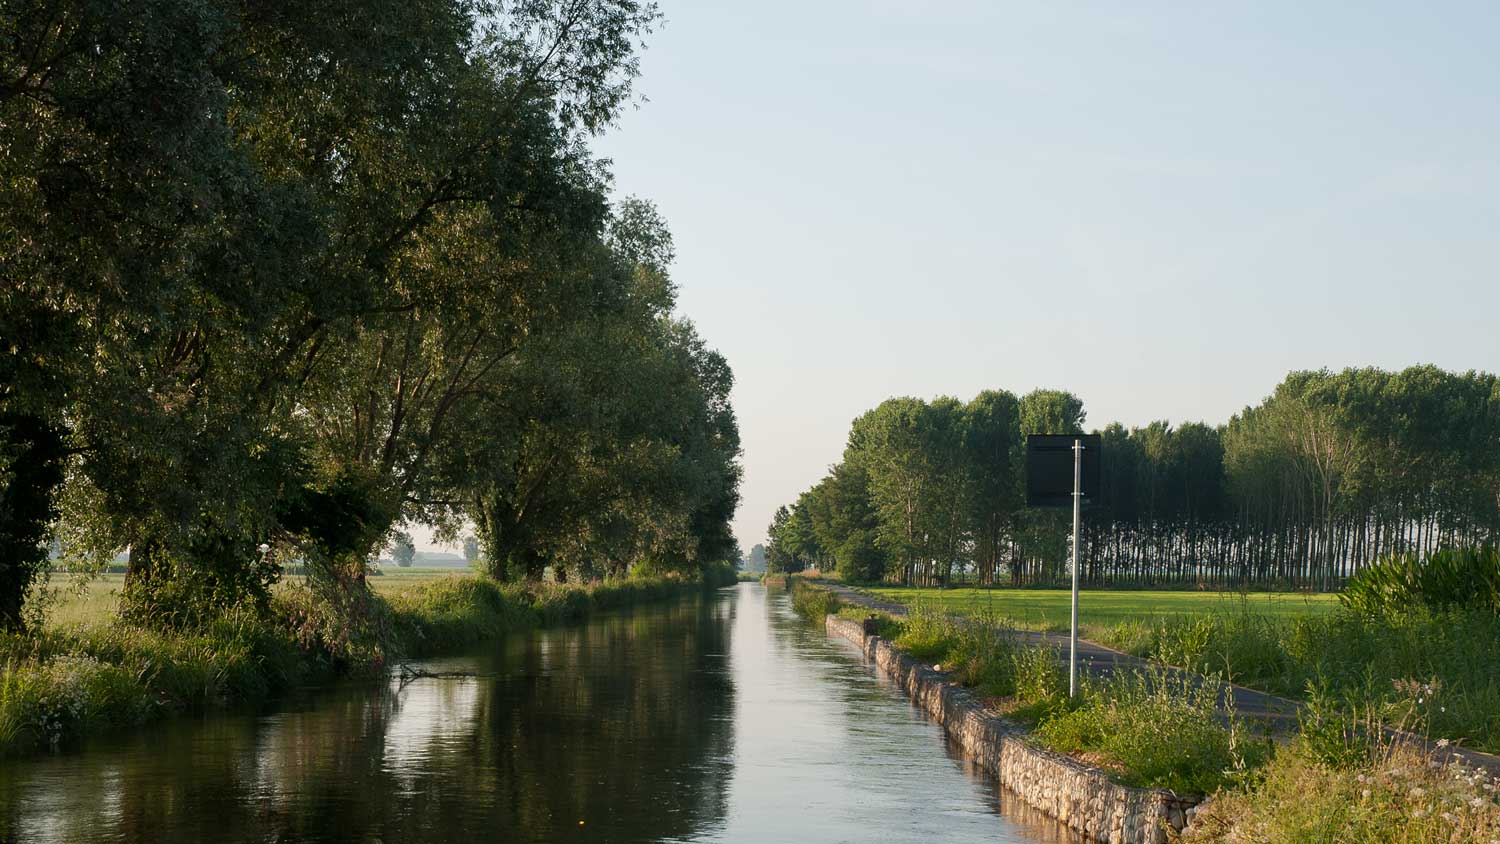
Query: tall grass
1346, 777
1152, 730
1158, 728
981, 651
1346, 655
1397, 797
811, 602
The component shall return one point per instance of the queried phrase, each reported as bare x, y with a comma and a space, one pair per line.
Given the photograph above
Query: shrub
1162, 728
1450, 579
811, 602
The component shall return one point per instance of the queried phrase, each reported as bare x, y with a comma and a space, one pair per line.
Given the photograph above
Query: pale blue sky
1162, 207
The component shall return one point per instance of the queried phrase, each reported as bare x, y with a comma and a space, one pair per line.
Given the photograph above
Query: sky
1162, 207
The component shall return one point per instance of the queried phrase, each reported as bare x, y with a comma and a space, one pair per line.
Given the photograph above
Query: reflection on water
721, 719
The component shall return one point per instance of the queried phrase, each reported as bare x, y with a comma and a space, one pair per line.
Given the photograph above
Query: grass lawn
96, 600
1048, 609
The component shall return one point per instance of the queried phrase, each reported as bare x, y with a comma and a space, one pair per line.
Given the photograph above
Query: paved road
1277, 714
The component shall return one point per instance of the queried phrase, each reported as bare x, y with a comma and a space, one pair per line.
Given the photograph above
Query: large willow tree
283, 273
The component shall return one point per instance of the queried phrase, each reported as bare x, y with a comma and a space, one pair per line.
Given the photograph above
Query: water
725, 719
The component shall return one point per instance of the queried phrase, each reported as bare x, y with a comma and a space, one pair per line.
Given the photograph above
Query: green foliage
31, 460
886, 625
984, 653
390, 290
1449, 579
216, 572
1352, 660
65, 684
1305, 489
1041, 679
812, 602
1400, 796
403, 549
859, 558
1162, 729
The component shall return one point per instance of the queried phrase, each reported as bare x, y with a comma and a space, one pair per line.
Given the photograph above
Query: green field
1047, 609
96, 599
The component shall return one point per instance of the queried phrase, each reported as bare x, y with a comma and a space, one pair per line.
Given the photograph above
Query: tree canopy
1327, 474
302, 273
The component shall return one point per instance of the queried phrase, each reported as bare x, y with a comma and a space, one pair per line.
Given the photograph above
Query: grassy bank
1154, 731
1101, 609
1357, 663
1341, 778
1296, 646
1398, 796
78, 679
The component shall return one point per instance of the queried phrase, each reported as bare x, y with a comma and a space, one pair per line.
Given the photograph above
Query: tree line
277, 278
1327, 474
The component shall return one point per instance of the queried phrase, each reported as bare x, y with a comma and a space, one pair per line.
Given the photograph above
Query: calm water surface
721, 719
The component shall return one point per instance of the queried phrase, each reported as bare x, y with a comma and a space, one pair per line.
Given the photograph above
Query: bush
1162, 729
812, 602
1450, 579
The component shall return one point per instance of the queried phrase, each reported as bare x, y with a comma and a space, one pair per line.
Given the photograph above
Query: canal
725, 718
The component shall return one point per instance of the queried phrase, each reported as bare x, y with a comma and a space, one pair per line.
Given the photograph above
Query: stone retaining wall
1076, 794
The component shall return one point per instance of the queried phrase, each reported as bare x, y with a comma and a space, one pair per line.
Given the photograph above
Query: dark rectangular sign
1049, 469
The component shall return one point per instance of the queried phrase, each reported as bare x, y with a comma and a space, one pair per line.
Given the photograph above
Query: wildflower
1442, 742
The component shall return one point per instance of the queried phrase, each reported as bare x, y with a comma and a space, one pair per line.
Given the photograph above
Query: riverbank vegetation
1303, 490
1103, 610
1398, 796
1157, 730
311, 278
811, 602
78, 680
1404, 660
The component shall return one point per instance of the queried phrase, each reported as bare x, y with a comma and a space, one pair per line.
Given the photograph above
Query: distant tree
471, 549
403, 549
781, 543
757, 559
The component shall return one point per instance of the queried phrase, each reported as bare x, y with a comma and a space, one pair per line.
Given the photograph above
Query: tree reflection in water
623, 727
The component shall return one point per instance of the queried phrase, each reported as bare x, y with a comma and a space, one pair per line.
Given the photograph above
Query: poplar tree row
1304, 489
279, 277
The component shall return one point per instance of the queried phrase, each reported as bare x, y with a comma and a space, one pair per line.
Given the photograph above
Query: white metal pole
1073, 630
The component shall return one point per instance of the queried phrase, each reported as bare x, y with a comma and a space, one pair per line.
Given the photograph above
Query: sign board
1049, 469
